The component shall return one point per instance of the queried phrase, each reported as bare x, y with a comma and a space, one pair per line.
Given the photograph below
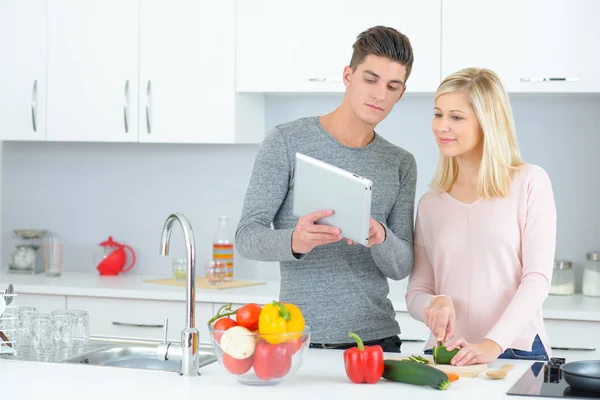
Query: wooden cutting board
203, 283
468, 371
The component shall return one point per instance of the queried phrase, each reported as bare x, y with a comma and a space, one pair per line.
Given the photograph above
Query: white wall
87, 191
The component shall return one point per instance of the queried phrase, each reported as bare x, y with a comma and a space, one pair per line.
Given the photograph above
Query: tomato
237, 367
247, 316
222, 325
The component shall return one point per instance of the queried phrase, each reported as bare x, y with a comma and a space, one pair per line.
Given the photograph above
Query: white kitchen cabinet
139, 319
46, 303
148, 71
92, 70
187, 76
304, 46
572, 333
525, 41
187, 71
23, 70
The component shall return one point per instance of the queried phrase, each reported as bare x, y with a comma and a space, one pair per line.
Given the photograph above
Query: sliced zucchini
443, 356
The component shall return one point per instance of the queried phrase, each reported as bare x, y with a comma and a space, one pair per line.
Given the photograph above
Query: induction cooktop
544, 379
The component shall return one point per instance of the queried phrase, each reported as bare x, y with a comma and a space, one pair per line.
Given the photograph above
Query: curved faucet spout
189, 335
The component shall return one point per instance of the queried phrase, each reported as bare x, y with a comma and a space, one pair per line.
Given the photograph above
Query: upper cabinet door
23, 70
187, 71
93, 70
303, 46
534, 45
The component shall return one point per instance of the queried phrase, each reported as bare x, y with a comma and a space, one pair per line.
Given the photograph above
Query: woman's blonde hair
489, 101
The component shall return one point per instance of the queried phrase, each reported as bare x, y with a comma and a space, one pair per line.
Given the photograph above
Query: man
340, 286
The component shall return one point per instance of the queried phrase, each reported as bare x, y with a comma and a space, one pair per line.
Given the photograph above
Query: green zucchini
415, 373
443, 356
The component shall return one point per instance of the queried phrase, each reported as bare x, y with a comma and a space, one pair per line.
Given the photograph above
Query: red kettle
113, 257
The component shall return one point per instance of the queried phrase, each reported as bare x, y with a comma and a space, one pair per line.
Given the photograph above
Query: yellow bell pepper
277, 319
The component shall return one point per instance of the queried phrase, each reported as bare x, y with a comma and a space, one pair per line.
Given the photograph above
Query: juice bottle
223, 247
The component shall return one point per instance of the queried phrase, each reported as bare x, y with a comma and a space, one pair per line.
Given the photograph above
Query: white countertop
321, 376
133, 286
576, 307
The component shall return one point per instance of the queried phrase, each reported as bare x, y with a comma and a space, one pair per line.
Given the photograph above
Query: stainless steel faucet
187, 352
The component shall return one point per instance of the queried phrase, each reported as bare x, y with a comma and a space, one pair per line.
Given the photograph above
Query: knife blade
435, 350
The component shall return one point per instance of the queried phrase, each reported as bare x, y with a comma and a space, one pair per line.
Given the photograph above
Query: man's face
374, 87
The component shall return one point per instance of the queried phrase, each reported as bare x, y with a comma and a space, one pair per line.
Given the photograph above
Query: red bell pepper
272, 361
364, 364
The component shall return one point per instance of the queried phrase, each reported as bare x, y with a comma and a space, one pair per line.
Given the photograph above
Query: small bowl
273, 357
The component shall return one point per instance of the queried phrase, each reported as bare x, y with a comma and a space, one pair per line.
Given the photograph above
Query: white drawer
578, 334
561, 333
140, 319
411, 329
45, 302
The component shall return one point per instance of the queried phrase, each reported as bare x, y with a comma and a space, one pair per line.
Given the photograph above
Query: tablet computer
322, 186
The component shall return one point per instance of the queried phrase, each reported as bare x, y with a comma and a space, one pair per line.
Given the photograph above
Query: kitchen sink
136, 356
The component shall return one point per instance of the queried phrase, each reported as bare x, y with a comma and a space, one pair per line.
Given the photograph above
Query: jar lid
562, 264
593, 256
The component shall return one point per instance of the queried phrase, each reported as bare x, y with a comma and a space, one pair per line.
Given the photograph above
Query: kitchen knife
435, 350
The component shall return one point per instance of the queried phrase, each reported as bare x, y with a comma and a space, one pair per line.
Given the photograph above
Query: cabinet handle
166, 330
324, 79
131, 324
34, 106
574, 348
546, 79
148, 94
126, 106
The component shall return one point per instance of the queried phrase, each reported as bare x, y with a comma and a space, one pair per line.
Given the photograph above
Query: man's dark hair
385, 42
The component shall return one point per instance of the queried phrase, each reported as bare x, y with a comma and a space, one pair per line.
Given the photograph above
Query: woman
485, 232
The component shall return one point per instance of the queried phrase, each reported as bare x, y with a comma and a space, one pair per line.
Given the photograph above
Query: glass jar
563, 278
591, 274
180, 268
214, 272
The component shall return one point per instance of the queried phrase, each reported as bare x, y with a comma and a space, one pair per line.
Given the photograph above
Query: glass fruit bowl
255, 358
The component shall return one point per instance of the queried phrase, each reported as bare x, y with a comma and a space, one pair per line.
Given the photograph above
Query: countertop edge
132, 287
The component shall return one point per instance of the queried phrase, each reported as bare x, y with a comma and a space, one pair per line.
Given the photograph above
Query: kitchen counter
576, 307
321, 376
133, 287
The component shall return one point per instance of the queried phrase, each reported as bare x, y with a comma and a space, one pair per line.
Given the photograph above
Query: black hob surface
544, 379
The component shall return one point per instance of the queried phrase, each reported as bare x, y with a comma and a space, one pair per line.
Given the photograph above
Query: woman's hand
441, 318
483, 353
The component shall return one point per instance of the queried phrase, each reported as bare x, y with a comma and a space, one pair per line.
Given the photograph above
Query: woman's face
455, 125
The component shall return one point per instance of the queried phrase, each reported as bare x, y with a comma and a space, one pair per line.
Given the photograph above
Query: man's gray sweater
339, 287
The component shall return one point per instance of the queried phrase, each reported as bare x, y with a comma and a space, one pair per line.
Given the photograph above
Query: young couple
480, 264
